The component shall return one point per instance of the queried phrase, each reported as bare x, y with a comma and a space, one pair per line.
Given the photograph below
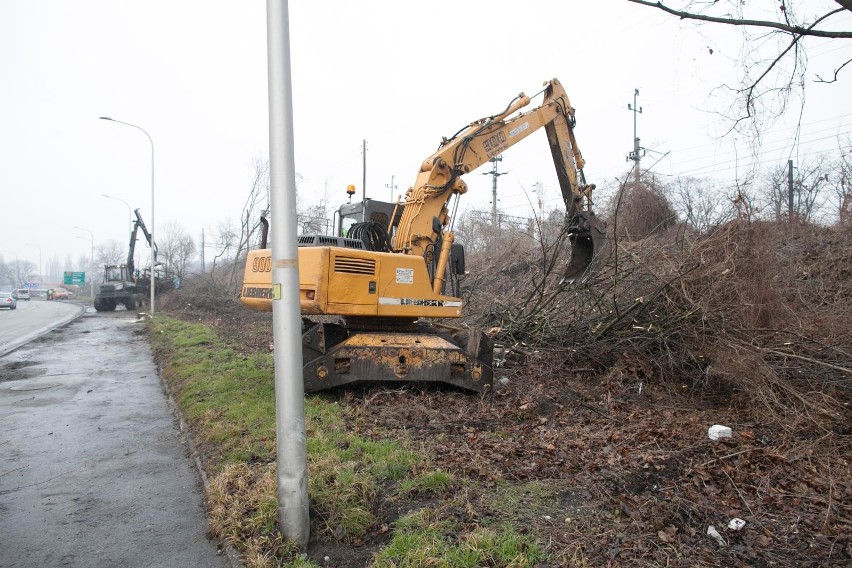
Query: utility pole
203, 270
538, 189
636, 154
790, 191
392, 188
495, 174
364, 170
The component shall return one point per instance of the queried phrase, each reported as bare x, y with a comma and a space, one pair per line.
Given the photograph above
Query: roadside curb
234, 558
21, 341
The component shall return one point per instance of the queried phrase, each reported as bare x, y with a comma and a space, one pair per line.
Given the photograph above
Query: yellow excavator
391, 273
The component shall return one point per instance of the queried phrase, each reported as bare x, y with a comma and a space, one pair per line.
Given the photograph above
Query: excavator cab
383, 213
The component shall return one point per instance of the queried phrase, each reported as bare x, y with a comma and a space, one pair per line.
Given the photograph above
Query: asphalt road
93, 471
32, 319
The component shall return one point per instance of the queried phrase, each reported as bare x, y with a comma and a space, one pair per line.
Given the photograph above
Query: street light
92, 262
153, 246
129, 212
39, 257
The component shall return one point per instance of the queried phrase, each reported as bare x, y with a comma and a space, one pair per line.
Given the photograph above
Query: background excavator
123, 284
388, 276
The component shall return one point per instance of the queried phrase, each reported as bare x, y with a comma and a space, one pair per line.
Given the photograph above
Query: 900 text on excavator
397, 266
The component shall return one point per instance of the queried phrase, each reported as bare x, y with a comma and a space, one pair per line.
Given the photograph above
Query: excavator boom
440, 176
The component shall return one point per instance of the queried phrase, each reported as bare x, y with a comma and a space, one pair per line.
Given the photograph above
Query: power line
782, 145
761, 153
781, 130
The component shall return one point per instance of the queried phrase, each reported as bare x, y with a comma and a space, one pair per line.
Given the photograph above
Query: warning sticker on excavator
419, 302
405, 276
519, 130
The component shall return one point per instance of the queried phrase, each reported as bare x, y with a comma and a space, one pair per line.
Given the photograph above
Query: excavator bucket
333, 356
588, 237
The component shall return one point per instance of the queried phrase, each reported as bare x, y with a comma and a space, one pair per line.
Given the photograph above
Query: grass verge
228, 401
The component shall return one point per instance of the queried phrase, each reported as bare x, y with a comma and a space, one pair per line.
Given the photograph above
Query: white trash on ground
712, 532
736, 524
717, 432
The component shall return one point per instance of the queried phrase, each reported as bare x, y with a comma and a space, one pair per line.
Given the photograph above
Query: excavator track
334, 355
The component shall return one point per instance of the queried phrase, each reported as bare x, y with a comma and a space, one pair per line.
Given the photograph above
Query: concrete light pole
636, 154
153, 242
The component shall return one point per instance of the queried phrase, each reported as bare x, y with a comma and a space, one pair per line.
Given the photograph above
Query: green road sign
75, 278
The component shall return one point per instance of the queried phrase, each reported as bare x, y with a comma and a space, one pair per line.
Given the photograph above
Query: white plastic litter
712, 532
736, 524
717, 432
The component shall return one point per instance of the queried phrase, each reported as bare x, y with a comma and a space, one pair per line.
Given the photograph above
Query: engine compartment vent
329, 241
351, 265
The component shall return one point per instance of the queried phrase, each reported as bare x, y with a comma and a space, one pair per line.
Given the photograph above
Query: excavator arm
426, 215
140, 224
131, 251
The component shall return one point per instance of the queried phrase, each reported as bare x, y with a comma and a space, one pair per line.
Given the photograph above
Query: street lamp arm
129, 210
134, 126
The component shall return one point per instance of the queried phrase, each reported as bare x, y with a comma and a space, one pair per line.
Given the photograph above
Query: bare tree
314, 219
54, 269
176, 248
699, 202
257, 201
16, 272
841, 182
8, 273
475, 229
226, 239
85, 264
111, 252
810, 179
774, 61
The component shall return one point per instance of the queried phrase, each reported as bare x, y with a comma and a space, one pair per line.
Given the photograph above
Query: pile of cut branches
748, 313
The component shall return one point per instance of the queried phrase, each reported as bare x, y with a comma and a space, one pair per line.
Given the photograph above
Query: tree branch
798, 30
750, 90
836, 71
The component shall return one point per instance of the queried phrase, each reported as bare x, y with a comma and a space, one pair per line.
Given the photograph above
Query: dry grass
243, 512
